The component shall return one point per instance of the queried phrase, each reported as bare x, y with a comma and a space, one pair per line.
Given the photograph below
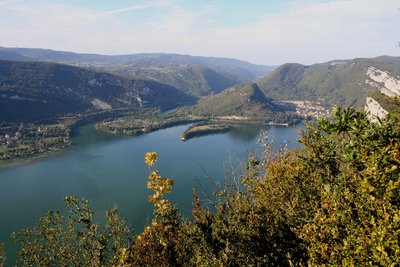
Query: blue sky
221, 12
259, 31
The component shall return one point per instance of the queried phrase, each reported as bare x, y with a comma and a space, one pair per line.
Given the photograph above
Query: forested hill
245, 100
37, 90
194, 79
196, 75
340, 82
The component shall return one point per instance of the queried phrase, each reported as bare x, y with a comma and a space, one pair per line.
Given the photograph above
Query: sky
266, 32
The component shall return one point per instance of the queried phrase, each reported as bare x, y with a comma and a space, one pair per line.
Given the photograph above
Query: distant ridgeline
198, 76
40, 84
37, 84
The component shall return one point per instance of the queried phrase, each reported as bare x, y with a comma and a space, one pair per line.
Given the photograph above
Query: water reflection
248, 133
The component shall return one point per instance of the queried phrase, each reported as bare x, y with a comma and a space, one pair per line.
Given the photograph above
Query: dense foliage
204, 128
244, 102
2, 254
240, 100
73, 241
334, 202
143, 121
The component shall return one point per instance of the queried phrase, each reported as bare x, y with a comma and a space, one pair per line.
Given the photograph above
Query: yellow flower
123, 256
154, 176
150, 158
163, 243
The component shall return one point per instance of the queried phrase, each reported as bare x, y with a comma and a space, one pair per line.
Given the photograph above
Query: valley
142, 93
199, 133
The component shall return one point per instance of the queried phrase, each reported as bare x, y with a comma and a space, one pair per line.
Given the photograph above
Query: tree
75, 240
2, 254
357, 221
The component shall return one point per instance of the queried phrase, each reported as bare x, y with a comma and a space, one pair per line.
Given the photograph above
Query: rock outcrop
387, 83
374, 110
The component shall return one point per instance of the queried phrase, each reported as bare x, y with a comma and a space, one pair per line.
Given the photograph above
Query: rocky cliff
388, 84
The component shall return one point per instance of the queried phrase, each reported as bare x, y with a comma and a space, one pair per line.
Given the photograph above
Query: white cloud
320, 32
8, 2
305, 31
146, 5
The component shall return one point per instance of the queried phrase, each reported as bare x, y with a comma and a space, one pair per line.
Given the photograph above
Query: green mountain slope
245, 100
195, 75
341, 82
37, 90
193, 79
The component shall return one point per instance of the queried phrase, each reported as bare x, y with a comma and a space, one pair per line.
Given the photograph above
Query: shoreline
17, 162
71, 122
223, 125
203, 130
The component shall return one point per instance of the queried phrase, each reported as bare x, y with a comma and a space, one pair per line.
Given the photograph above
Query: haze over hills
339, 82
39, 90
195, 75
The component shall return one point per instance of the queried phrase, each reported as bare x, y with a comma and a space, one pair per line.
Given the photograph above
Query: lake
110, 170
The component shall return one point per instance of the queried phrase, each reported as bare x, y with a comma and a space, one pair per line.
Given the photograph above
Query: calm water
110, 170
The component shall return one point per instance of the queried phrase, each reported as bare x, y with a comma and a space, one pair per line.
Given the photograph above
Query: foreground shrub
334, 202
75, 240
357, 221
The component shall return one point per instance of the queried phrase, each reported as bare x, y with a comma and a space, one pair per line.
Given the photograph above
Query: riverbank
22, 143
11, 163
149, 121
132, 126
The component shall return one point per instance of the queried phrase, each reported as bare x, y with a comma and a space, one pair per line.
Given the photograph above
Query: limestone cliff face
387, 83
374, 110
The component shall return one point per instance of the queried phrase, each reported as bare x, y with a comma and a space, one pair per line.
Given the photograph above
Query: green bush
333, 202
